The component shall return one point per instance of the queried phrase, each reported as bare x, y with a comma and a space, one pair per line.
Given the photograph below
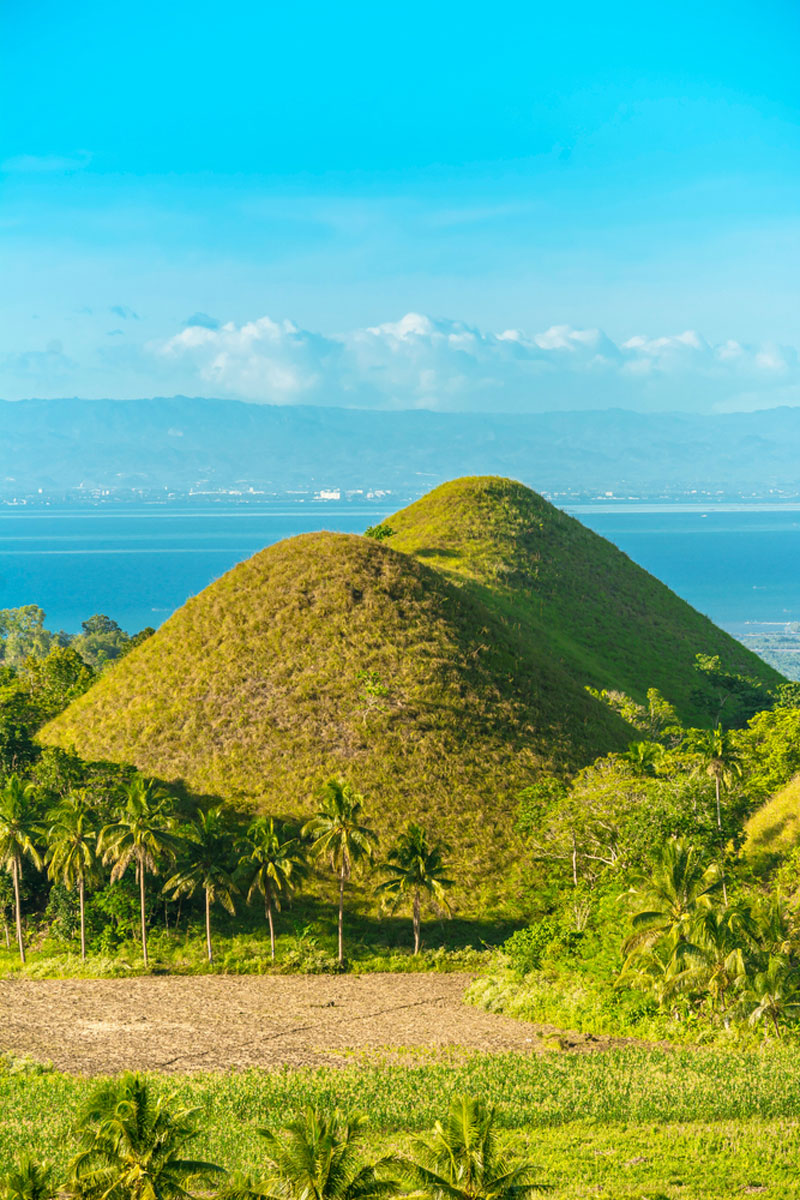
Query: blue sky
175, 175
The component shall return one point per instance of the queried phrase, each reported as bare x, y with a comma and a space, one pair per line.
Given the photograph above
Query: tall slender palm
19, 834
415, 866
318, 1157
132, 1145
142, 835
28, 1180
666, 904
337, 832
717, 758
275, 865
461, 1160
208, 847
71, 852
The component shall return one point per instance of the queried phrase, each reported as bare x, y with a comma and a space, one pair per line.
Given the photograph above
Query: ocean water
138, 564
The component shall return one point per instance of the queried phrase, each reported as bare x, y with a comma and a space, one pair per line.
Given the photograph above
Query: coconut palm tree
717, 758
19, 834
28, 1180
71, 853
318, 1157
714, 960
132, 1145
773, 994
337, 832
142, 835
461, 1160
644, 757
415, 866
275, 865
665, 905
208, 847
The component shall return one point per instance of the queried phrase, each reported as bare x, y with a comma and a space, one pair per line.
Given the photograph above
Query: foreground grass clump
699, 1124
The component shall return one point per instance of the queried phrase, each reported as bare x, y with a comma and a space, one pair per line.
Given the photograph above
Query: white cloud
421, 361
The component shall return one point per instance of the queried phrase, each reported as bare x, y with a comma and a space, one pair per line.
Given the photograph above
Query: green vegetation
440, 670
700, 1124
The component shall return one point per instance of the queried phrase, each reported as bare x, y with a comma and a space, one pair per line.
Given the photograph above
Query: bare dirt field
218, 1022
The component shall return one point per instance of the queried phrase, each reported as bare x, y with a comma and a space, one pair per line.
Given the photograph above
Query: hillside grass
773, 831
634, 1123
608, 622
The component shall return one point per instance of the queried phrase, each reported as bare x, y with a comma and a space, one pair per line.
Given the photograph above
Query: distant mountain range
181, 444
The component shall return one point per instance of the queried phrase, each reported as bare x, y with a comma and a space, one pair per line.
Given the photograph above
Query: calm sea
139, 564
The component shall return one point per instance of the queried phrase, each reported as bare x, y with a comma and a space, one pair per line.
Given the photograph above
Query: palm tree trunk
341, 914
141, 911
83, 918
719, 826
5, 930
416, 920
268, 906
15, 877
574, 860
719, 809
208, 926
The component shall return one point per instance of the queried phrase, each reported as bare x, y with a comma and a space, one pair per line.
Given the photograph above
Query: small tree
275, 865
141, 835
337, 833
460, 1159
318, 1157
132, 1145
19, 834
28, 1180
208, 847
415, 866
71, 853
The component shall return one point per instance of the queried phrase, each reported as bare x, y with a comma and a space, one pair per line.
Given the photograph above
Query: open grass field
629, 1124
218, 1023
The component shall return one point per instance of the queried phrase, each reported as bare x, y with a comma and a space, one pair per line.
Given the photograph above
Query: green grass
774, 829
306, 943
611, 623
631, 1123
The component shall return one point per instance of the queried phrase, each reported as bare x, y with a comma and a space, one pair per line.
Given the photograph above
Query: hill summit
441, 670
608, 622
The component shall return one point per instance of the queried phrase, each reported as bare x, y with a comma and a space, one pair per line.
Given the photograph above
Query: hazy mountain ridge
180, 444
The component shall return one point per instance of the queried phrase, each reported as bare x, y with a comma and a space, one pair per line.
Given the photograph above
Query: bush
526, 948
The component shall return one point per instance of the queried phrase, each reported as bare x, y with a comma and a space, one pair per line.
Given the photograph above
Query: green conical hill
441, 671
603, 618
331, 653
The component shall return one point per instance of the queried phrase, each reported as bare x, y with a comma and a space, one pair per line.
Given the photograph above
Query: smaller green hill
608, 622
